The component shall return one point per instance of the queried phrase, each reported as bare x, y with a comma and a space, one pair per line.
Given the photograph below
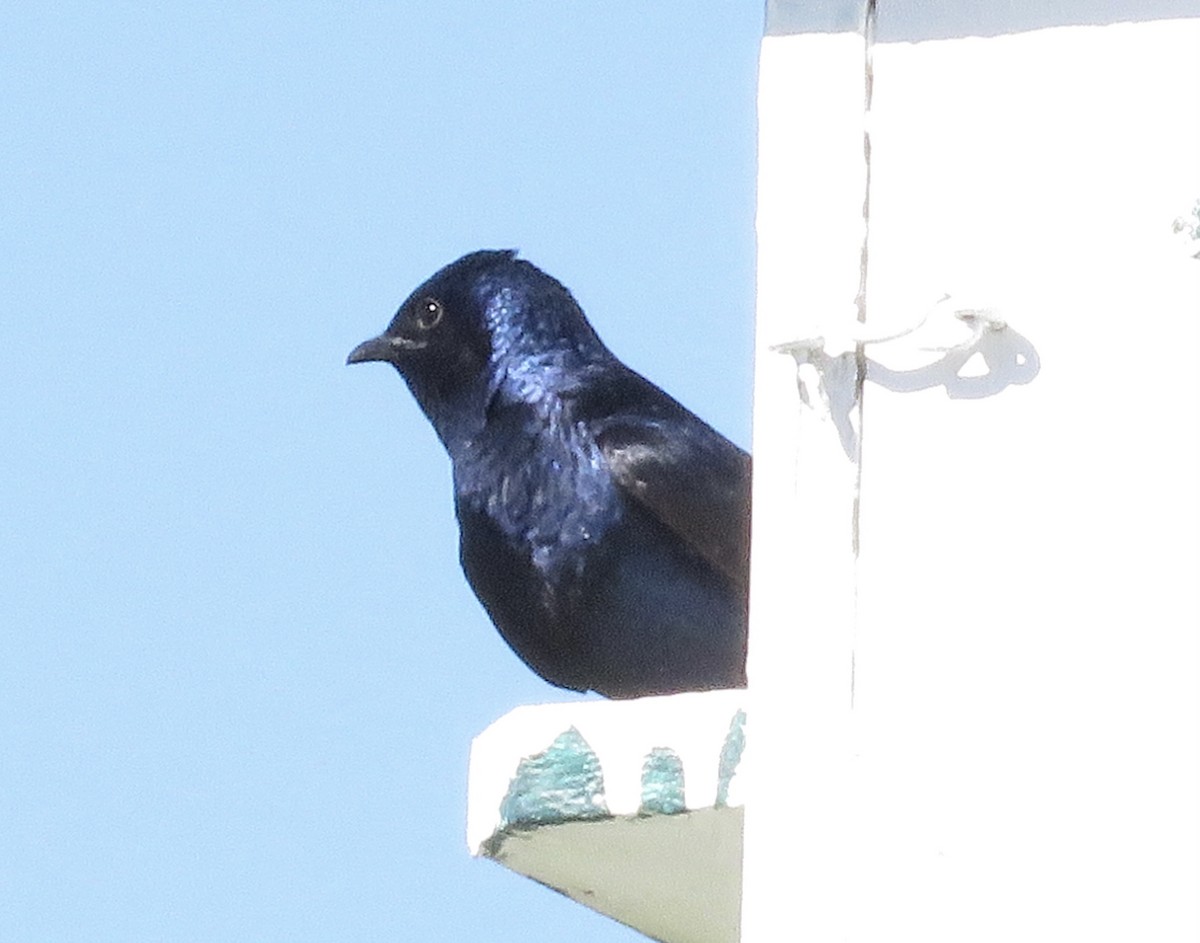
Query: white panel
1027, 648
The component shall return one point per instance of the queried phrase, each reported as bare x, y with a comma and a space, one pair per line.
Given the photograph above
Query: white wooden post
811, 191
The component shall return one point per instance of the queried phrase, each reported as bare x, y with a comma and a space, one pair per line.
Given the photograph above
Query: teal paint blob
662, 783
731, 755
562, 784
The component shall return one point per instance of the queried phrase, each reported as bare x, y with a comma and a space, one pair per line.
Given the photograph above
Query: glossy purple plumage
604, 527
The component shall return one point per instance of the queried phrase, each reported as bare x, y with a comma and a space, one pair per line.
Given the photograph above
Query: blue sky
239, 666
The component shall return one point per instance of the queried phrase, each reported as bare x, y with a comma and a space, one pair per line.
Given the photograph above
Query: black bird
604, 527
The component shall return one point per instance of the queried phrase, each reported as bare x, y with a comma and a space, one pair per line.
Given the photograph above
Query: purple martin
604, 527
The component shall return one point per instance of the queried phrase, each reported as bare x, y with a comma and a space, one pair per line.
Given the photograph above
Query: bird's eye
429, 314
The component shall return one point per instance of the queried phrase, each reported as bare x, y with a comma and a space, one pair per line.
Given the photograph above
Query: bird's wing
684, 472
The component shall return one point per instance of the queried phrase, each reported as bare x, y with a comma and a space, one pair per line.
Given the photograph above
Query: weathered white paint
675, 877
621, 733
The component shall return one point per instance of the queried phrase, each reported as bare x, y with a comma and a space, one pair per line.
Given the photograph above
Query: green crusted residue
731, 755
562, 784
662, 783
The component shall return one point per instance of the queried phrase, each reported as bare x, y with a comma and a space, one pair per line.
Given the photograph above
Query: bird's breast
545, 486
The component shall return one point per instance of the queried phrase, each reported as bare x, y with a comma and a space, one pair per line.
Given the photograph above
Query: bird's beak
377, 348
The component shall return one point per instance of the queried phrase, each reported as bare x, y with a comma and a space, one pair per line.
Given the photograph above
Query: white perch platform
632, 808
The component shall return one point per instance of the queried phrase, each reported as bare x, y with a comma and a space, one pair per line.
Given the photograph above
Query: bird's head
483, 323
